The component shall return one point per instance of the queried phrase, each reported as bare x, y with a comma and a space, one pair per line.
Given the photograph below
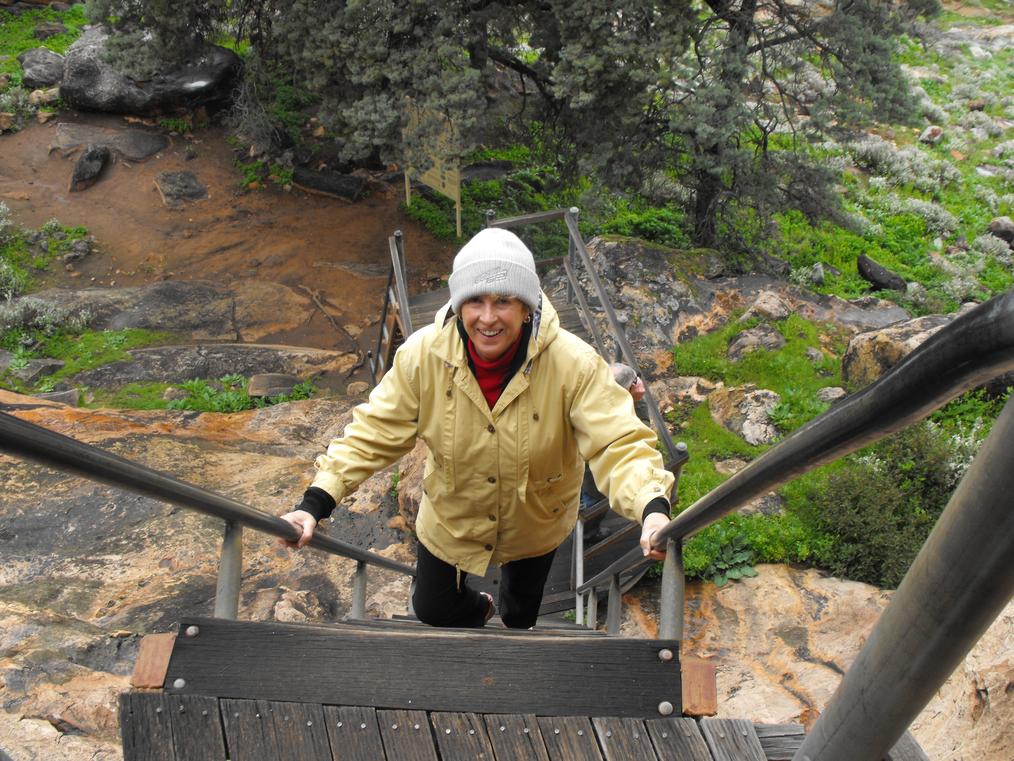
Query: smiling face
493, 323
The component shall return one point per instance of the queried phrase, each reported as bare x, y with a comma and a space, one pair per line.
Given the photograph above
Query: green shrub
229, 395
875, 514
665, 226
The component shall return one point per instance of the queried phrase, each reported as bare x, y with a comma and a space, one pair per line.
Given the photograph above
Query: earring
528, 318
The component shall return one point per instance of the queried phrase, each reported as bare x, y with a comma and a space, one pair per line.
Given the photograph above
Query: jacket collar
448, 345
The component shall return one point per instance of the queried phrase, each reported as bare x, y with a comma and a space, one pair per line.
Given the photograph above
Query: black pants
440, 601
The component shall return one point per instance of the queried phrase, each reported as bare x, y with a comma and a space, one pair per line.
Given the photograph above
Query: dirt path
302, 240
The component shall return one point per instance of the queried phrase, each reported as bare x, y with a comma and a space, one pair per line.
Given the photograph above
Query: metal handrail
972, 349
29, 441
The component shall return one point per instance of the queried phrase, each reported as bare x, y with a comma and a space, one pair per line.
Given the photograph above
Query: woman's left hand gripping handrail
29, 441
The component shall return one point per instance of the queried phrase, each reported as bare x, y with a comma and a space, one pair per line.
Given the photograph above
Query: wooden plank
152, 661
406, 735
623, 739
780, 741
569, 738
249, 730
606, 676
515, 737
732, 740
353, 733
461, 737
700, 687
907, 749
678, 739
146, 727
197, 727
299, 731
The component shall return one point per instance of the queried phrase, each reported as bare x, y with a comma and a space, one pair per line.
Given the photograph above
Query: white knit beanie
494, 261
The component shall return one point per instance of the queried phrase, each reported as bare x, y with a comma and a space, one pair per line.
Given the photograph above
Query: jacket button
492, 479
489, 547
535, 416
490, 428
492, 517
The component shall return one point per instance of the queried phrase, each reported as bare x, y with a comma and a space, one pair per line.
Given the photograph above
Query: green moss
136, 396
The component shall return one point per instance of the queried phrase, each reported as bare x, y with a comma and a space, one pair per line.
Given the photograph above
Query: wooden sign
444, 175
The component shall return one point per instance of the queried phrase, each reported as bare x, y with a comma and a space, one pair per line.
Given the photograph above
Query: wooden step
432, 669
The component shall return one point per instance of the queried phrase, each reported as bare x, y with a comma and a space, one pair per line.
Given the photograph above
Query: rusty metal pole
959, 583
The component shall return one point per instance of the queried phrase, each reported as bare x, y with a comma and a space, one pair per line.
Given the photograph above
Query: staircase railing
395, 317
21, 438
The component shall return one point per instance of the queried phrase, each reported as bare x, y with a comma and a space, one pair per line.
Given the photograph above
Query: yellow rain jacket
500, 484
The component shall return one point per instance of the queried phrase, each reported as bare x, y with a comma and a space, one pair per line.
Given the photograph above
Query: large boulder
1003, 228
247, 311
89, 167
879, 276
869, 355
745, 411
175, 364
41, 67
752, 339
92, 84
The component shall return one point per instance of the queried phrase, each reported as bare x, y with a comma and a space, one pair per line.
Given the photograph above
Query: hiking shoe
491, 611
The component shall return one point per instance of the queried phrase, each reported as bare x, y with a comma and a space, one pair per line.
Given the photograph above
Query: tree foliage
708, 102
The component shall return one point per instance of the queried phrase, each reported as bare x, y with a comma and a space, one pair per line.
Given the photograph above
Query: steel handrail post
593, 609
572, 285
359, 591
230, 570
399, 241
383, 322
400, 289
958, 584
615, 605
578, 554
673, 592
29, 441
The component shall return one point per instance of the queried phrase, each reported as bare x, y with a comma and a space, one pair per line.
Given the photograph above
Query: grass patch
79, 351
229, 394
17, 34
134, 396
25, 253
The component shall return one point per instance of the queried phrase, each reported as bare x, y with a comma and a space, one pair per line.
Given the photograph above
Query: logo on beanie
491, 277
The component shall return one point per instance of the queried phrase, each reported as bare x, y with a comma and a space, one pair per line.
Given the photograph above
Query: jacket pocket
433, 484
544, 496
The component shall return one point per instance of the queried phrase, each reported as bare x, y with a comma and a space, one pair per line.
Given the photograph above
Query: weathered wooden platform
190, 727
